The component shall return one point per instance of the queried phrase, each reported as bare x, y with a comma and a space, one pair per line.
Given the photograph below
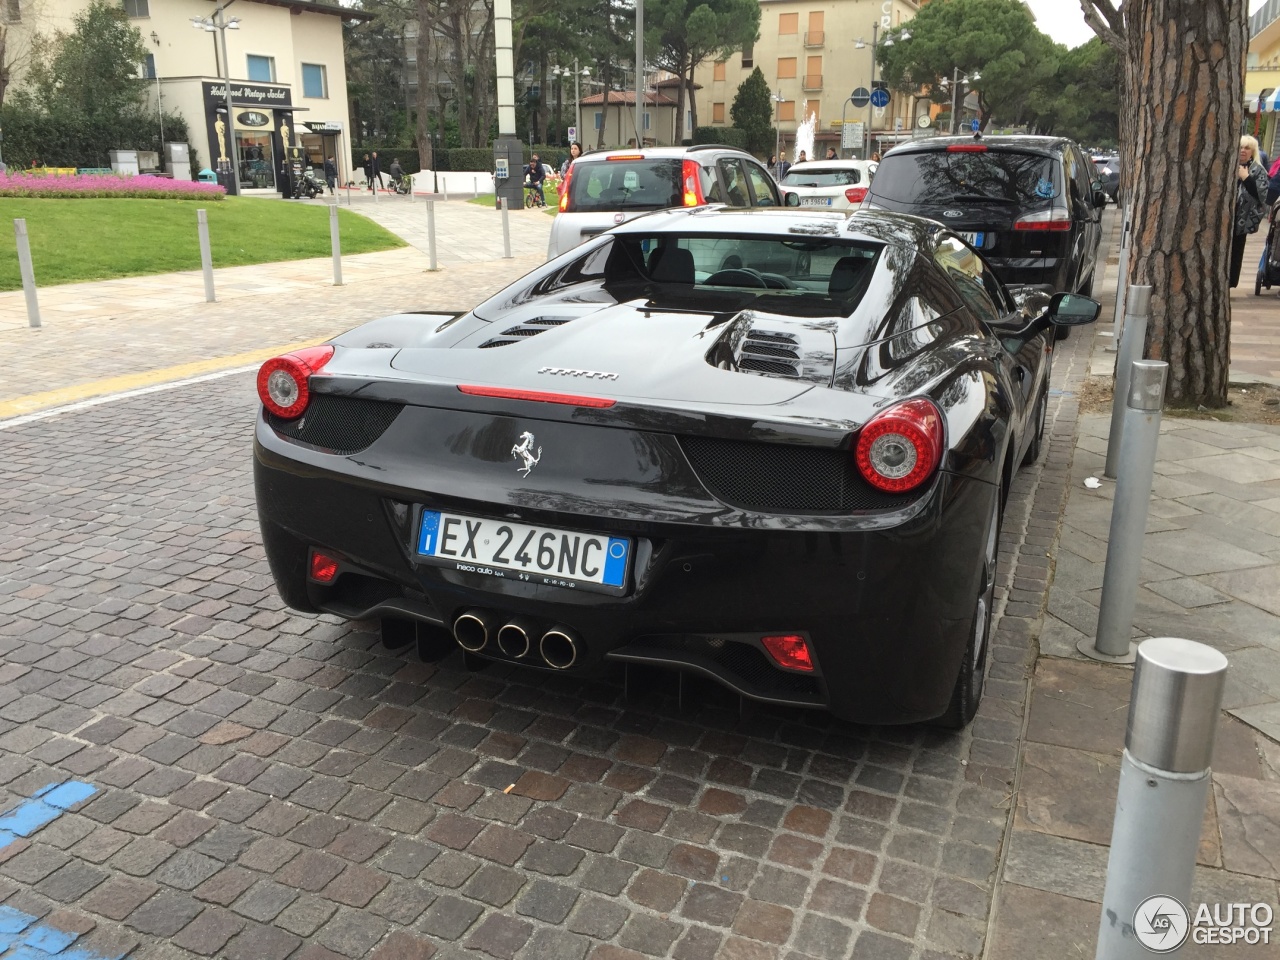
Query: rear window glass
608, 185
941, 177
823, 178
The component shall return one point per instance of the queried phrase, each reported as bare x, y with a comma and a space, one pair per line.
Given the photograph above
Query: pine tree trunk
1184, 99
422, 47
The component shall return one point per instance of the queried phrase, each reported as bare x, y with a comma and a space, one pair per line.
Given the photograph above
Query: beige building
815, 54
288, 77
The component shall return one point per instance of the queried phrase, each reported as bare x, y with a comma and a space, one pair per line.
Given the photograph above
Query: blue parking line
48, 804
22, 938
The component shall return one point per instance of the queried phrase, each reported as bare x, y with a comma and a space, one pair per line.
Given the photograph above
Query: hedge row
36, 138
729, 136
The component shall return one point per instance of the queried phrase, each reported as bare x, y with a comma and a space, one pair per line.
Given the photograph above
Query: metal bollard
475, 187
431, 234
1122, 278
1132, 346
1129, 515
335, 243
28, 272
348, 193
444, 187
1164, 781
506, 230
206, 255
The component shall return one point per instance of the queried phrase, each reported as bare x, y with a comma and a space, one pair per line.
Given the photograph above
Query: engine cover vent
765, 351
524, 330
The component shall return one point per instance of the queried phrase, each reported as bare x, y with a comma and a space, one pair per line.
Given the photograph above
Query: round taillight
899, 448
284, 382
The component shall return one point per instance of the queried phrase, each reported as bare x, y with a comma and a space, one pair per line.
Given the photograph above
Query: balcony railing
814, 38
813, 81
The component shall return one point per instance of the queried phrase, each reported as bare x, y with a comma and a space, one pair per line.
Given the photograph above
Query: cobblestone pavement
272, 784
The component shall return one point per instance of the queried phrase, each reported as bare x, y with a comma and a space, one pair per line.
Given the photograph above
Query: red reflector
789, 651
967, 148
1042, 225
564, 189
323, 567
537, 396
626, 156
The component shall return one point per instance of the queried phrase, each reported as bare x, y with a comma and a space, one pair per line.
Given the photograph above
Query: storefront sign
252, 118
249, 94
324, 126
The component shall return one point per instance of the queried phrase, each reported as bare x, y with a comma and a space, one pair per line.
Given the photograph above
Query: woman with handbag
1251, 197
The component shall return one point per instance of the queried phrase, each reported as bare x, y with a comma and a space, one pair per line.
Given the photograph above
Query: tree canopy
752, 112
997, 39
688, 32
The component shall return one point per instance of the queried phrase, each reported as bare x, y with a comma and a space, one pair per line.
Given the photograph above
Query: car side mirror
793, 200
1073, 310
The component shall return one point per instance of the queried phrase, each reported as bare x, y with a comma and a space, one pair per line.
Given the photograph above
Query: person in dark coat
377, 172
1251, 199
331, 175
367, 166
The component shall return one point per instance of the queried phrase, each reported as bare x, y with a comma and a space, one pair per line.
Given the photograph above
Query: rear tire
1041, 416
1257, 286
967, 694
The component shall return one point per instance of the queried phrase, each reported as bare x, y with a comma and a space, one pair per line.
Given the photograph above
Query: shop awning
1251, 103
1268, 101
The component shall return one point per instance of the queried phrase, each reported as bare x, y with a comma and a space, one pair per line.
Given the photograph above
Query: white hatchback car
830, 184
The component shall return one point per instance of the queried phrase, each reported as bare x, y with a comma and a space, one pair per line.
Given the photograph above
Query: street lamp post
578, 74
887, 42
218, 22
777, 125
155, 38
956, 81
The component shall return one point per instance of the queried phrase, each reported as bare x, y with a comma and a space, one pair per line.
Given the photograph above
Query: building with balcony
1262, 78
287, 74
809, 52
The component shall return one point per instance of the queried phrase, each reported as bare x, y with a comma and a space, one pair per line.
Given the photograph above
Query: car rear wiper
979, 198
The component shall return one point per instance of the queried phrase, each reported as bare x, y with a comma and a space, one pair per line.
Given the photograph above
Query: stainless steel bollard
444, 188
1129, 514
28, 272
475, 186
1164, 781
1122, 278
431, 234
506, 230
206, 255
348, 193
335, 244
1132, 347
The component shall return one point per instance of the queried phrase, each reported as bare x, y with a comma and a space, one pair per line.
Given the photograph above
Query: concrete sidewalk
1211, 573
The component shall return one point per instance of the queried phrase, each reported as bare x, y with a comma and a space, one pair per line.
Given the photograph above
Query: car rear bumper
885, 612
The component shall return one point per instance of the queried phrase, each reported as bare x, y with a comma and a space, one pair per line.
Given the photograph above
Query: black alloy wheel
1041, 415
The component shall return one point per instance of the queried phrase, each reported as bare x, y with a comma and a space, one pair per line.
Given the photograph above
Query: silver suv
610, 187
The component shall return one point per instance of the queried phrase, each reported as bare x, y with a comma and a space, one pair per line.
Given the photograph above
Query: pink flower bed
106, 185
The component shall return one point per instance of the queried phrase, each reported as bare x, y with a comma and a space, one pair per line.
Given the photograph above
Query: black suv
1030, 204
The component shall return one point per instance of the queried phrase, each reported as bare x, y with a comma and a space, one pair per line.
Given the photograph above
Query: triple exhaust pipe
558, 647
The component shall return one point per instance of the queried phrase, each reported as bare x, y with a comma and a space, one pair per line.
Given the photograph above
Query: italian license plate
815, 201
974, 240
517, 551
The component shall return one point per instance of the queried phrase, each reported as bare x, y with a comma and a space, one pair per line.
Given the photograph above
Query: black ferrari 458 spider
770, 447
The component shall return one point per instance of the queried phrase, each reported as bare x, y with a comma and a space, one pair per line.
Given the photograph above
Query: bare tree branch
1106, 20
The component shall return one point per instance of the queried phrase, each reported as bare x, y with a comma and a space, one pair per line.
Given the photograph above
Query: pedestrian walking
367, 166
781, 167
831, 154
331, 175
1250, 206
376, 170
575, 151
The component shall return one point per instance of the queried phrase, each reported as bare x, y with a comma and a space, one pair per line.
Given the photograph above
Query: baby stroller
1269, 266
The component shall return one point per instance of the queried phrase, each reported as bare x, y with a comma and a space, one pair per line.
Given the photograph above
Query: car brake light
1044, 220
626, 156
564, 189
899, 448
284, 382
537, 396
692, 194
790, 652
856, 194
967, 148
323, 568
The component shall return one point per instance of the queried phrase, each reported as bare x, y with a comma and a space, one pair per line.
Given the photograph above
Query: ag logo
1161, 924
252, 118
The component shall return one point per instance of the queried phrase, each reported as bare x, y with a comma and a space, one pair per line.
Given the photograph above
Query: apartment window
787, 110
788, 24
814, 36
717, 71
786, 68
599, 119
813, 108
136, 8
646, 119
314, 82
262, 69
717, 113
748, 56
149, 67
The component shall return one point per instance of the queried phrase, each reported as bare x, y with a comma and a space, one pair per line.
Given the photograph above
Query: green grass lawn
548, 194
96, 239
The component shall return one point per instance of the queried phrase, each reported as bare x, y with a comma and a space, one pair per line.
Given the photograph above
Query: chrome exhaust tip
472, 629
559, 648
515, 639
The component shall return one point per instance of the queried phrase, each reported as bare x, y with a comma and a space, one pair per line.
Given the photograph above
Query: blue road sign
976, 125
879, 97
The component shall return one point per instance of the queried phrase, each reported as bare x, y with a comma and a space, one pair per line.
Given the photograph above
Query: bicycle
533, 195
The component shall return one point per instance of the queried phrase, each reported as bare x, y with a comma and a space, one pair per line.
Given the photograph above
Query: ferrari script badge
524, 450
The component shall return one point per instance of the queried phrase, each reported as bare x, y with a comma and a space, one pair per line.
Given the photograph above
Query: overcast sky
1063, 21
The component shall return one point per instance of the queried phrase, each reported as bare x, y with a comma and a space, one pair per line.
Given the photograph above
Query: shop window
136, 8
748, 56
717, 113
314, 82
787, 110
262, 69
256, 156
786, 68
788, 24
717, 72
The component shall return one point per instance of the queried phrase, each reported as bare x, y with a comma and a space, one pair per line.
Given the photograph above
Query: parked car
829, 184
610, 187
1109, 173
769, 447
1027, 203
